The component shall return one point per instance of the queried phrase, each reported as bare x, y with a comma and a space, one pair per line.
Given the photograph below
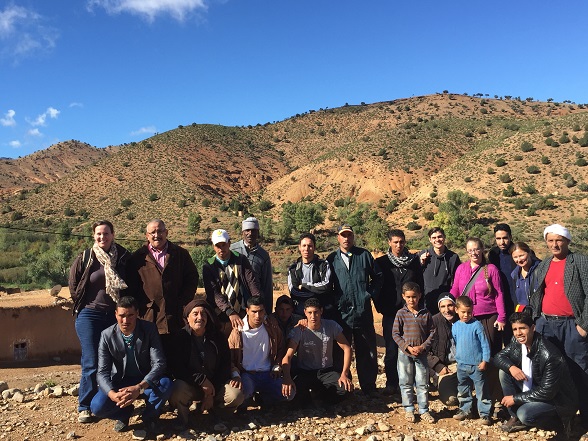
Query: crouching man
131, 364
257, 350
314, 370
201, 365
535, 379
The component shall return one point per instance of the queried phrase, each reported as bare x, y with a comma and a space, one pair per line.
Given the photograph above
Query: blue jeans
89, 325
155, 397
413, 373
466, 375
530, 414
269, 388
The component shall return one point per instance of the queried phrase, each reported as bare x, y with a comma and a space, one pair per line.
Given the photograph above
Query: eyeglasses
475, 251
156, 232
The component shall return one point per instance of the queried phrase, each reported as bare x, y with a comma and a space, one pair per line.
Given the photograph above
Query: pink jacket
484, 302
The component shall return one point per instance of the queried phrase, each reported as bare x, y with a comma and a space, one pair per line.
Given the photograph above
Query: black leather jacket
551, 378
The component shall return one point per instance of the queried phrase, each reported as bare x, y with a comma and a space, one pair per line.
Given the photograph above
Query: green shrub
126, 203
468, 179
500, 162
545, 160
182, 203
429, 215
527, 147
563, 139
581, 162
130, 215
518, 158
530, 188
206, 202
415, 206
533, 169
153, 197
490, 171
583, 186
265, 205
505, 178
413, 226
391, 206
16, 215
509, 192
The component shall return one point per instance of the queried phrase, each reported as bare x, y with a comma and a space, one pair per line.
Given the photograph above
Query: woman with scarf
439, 264
398, 267
526, 263
96, 282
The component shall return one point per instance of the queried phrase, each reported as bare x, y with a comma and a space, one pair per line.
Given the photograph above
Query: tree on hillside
300, 217
457, 215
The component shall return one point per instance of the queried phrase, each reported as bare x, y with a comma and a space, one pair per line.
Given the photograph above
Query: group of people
507, 325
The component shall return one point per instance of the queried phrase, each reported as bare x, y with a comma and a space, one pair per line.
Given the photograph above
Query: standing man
535, 379
438, 264
228, 281
356, 279
500, 256
131, 364
398, 267
164, 279
259, 259
310, 277
560, 307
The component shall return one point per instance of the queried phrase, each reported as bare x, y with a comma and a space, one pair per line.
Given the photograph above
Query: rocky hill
513, 155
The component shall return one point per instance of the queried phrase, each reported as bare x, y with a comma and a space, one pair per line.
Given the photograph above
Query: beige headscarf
114, 283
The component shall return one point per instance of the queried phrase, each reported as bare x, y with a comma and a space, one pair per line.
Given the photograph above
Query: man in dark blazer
131, 364
560, 306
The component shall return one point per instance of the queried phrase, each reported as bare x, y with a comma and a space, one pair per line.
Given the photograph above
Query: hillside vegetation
387, 164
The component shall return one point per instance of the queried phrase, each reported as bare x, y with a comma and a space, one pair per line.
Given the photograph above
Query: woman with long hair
526, 262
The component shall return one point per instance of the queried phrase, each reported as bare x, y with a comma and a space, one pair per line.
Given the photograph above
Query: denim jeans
270, 389
530, 414
155, 397
466, 375
89, 325
413, 373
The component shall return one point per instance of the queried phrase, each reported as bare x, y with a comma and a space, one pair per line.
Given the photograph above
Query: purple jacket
484, 302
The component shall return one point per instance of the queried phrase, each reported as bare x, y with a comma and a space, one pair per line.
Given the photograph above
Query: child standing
472, 353
413, 331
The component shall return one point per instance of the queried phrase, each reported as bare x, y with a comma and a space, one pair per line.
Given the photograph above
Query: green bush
564, 139
527, 147
265, 205
206, 202
500, 162
530, 188
509, 192
490, 171
16, 215
545, 160
518, 158
581, 162
126, 203
468, 179
549, 141
505, 178
413, 226
429, 215
583, 186
533, 169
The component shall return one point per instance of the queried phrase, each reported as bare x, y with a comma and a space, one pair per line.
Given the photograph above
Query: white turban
557, 229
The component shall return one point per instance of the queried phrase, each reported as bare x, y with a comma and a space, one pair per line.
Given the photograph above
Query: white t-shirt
527, 368
256, 348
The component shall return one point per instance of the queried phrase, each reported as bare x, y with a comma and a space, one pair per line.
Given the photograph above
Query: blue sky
108, 72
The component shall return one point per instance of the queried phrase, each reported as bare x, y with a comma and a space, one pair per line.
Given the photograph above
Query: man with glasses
163, 278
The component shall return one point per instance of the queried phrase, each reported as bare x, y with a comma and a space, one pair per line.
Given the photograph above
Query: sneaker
121, 426
427, 418
513, 425
461, 415
84, 417
409, 416
485, 421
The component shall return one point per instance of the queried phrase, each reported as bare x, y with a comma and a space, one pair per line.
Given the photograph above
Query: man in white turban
560, 306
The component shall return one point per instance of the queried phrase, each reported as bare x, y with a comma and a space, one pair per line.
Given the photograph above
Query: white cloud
23, 32
143, 130
74, 104
150, 9
8, 120
42, 118
34, 132
14, 144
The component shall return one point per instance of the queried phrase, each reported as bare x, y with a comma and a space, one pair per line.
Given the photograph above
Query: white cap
557, 229
220, 236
